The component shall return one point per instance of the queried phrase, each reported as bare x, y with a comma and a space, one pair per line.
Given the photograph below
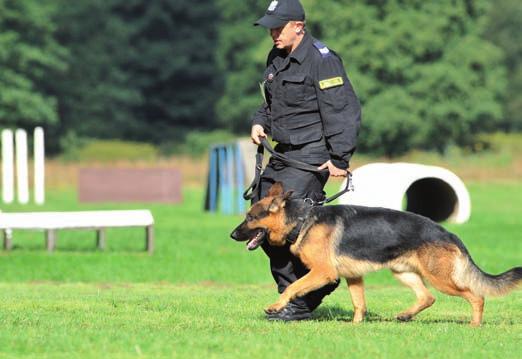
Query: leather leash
254, 186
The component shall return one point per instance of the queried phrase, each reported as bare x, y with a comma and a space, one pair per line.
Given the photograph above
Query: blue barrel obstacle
226, 179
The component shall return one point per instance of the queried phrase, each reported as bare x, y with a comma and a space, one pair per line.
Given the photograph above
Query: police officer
311, 110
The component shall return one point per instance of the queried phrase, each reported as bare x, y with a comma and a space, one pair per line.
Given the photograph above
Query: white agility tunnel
431, 191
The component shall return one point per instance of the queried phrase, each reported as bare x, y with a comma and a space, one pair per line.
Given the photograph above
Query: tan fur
349, 267
352, 268
278, 229
424, 298
445, 266
466, 275
438, 264
356, 288
314, 252
275, 221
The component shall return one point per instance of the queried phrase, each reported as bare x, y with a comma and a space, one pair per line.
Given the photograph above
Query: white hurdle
7, 166
22, 172
21, 155
39, 166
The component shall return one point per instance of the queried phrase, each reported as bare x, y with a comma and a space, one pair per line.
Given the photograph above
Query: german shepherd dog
351, 241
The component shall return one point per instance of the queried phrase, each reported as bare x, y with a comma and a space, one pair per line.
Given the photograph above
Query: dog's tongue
255, 242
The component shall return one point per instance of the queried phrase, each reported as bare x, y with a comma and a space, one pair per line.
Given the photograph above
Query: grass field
201, 294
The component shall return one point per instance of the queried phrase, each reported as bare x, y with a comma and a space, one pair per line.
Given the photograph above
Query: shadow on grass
337, 313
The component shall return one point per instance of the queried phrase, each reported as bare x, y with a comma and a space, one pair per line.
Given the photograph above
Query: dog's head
266, 219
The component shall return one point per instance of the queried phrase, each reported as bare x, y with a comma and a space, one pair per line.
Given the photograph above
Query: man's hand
256, 133
334, 171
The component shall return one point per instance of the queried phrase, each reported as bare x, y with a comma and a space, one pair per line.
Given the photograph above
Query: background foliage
430, 74
503, 29
30, 56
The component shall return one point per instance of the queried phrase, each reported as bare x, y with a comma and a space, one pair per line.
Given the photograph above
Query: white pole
39, 166
22, 176
7, 166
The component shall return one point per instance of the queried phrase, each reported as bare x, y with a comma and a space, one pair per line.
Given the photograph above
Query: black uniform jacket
308, 98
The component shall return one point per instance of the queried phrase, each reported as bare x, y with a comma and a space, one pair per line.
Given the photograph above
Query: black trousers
285, 267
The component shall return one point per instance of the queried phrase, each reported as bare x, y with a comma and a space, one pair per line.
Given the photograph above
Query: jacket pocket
304, 129
293, 89
300, 121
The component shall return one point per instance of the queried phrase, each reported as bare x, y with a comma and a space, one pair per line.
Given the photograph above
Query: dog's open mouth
256, 241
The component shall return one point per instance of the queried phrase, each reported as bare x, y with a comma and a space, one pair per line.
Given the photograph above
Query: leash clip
348, 188
309, 201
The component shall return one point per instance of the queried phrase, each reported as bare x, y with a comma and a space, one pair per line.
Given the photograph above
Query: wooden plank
8, 239
51, 222
76, 220
100, 238
50, 239
149, 238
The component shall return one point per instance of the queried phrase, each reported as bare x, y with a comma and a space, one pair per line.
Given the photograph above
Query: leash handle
289, 161
349, 187
254, 186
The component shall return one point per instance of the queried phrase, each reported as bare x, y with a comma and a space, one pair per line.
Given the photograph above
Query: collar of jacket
299, 54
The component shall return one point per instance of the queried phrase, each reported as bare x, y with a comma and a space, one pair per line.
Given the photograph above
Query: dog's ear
279, 202
276, 205
276, 189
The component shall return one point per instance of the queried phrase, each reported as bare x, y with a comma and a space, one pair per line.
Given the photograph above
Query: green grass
196, 321
202, 294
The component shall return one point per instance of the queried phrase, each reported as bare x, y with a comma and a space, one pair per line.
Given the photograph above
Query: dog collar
294, 233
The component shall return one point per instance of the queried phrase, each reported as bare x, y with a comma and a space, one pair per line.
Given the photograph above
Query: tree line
428, 73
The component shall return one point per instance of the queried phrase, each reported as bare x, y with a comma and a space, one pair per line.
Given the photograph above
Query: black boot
292, 312
302, 308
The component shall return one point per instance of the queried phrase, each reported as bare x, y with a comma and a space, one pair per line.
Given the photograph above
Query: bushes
195, 144
110, 151
426, 77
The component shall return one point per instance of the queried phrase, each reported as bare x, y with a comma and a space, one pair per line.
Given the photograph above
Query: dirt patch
61, 174
485, 167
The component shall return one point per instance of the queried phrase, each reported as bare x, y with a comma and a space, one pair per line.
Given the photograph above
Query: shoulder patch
329, 83
325, 51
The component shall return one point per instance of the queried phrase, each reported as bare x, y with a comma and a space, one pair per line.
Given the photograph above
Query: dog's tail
467, 274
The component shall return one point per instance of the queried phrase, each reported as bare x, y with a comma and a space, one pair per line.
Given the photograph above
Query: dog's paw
274, 308
358, 319
404, 317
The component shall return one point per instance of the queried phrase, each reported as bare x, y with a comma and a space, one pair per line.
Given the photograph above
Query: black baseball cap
279, 12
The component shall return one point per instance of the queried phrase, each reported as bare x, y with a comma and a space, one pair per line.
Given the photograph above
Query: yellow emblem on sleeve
328, 83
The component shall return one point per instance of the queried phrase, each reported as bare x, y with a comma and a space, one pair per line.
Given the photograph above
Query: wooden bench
50, 222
